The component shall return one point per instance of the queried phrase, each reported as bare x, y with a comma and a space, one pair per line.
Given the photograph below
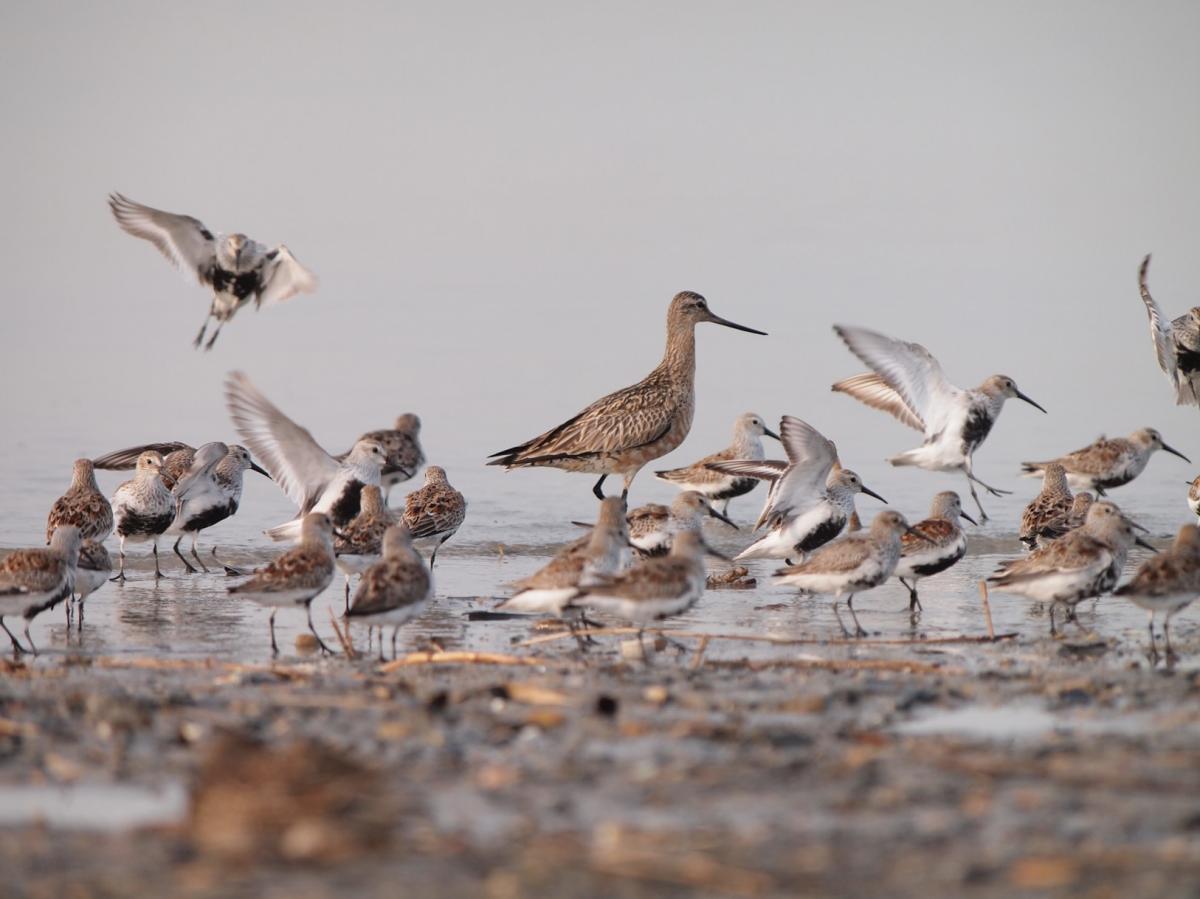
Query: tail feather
288, 531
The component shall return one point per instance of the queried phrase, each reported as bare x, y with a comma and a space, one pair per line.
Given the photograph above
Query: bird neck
680, 354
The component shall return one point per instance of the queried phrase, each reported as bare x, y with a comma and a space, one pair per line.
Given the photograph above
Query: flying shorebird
748, 431
1105, 464
908, 383
402, 444
34, 580
1176, 344
809, 502
236, 268
621, 432
932, 545
312, 479
143, 509
1047, 514
1167, 583
845, 567
83, 505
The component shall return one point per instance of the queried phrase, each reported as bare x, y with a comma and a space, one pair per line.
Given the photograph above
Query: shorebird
933, 545
848, 566
33, 580
598, 555
1082, 564
91, 573
177, 459
621, 432
312, 479
298, 576
809, 502
434, 512
207, 493
236, 268
1047, 514
655, 589
908, 383
395, 590
143, 509
1176, 344
357, 546
402, 444
1105, 464
748, 432
1167, 583
1194, 496
653, 526
83, 505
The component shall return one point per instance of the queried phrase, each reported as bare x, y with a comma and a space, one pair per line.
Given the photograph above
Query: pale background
500, 200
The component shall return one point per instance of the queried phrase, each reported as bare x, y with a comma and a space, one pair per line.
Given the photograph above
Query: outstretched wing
283, 277
184, 241
811, 456
124, 459
909, 370
295, 461
872, 390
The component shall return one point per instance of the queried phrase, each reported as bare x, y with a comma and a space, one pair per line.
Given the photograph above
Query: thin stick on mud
780, 641
344, 639
987, 608
698, 658
469, 658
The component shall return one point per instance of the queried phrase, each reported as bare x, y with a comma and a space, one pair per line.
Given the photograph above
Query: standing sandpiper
1167, 583
434, 513
394, 590
748, 432
932, 545
621, 432
1104, 463
1047, 513
33, 580
83, 505
143, 509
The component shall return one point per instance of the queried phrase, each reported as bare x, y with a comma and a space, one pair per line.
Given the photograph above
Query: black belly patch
1109, 483
245, 285
133, 524
209, 517
348, 504
938, 565
821, 535
739, 487
977, 427
1186, 360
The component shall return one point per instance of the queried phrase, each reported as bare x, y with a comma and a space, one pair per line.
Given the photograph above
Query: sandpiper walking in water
851, 565
91, 573
1167, 583
1176, 344
312, 479
143, 509
1047, 514
394, 590
653, 526
402, 445
83, 505
434, 513
620, 433
33, 580
908, 383
932, 545
1080, 565
598, 555
1105, 464
748, 432
357, 546
177, 459
298, 576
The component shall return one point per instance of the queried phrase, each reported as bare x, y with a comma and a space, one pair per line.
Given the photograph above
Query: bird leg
321, 643
859, 630
158, 575
28, 637
914, 603
230, 570
204, 327
1171, 657
186, 563
348, 600
196, 555
838, 616
120, 576
1152, 655
433, 557
18, 649
274, 645
994, 491
395, 631
208, 346
597, 488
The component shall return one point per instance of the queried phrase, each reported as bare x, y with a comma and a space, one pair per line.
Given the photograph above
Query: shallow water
515, 522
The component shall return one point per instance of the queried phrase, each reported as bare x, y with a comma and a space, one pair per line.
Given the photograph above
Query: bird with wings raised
236, 268
1176, 344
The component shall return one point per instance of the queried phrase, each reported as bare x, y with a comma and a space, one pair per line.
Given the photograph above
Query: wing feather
185, 242
872, 390
283, 277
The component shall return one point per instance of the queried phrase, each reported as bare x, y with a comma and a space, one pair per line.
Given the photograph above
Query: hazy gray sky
501, 199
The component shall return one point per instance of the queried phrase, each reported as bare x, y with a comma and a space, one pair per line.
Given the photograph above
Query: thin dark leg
204, 327
28, 637
320, 642
642, 644
196, 555
1167, 637
121, 573
274, 645
1153, 644
395, 631
838, 616
158, 575
18, 649
1053, 628
598, 487
347, 593
983, 516
914, 604
859, 631
186, 563
208, 346
433, 557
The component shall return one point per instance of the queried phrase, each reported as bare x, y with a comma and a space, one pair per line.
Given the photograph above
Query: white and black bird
143, 509
809, 502
237, 269
313, 479
402, 444
1176, 344
908, 383
931, 546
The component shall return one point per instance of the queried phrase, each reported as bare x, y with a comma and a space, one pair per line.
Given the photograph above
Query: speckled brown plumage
83, 505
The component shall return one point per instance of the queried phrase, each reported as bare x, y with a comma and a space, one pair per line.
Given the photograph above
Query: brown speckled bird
435, 512
1046, 515
83, 505
1167, 583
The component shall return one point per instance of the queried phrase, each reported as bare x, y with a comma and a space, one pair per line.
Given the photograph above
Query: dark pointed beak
869, 492
1175, 452
717, 320
968, 518
717, 515
1031, 401
254, 466
1143, 529
769, 433
1140, 542
583, 524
